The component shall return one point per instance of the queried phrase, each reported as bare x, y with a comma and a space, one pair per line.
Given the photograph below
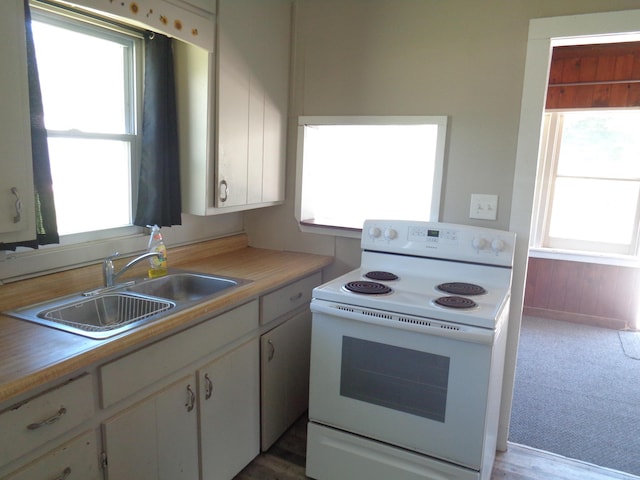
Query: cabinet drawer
143, 368
288, 298
75, 459
40, 419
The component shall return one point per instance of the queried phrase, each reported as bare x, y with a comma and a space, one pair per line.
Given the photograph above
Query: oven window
406, 380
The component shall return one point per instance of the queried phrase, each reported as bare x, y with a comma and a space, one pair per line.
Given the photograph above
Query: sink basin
181, 287
101, 316
107, 312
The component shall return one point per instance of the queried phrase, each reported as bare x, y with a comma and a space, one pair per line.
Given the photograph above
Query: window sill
309, 226
585, 257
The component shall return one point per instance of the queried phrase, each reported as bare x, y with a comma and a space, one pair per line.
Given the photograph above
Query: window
90, 82
591, 173
354, 168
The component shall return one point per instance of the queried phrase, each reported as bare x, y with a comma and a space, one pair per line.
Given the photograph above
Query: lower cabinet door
155, 438
229, 399
77, 458
284, 361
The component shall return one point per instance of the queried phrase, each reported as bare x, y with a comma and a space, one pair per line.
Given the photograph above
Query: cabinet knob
191, 399
48, 421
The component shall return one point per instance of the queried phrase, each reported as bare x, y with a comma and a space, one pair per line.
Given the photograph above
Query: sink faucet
108, 270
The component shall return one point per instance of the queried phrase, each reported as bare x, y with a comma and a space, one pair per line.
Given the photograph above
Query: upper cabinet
17, 214
233, 109
253, 55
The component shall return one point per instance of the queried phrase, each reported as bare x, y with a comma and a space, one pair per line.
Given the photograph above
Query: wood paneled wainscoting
594, 294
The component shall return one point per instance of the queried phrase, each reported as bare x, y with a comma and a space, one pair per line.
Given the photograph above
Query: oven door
418, 384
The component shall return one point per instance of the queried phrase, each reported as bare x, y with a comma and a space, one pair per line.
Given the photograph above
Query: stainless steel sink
101, 316
107, 312
181, 287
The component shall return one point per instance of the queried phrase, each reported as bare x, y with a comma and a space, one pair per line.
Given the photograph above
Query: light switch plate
483, 206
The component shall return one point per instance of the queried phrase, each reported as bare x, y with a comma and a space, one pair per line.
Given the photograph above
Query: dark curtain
46, 224
159, 200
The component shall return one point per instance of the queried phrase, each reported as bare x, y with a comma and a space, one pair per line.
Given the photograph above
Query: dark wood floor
286, 460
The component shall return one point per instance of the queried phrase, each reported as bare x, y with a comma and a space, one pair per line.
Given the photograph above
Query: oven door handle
424, 326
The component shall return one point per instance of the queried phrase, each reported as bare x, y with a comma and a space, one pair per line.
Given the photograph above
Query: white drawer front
75, 459
41, 419
151, 364
288, 298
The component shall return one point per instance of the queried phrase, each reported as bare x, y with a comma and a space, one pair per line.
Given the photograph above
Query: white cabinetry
75, 459
253, 50
285, 375
232, 109
16, 180
156, 438
229, 405
284, 357
43, 418
207, 420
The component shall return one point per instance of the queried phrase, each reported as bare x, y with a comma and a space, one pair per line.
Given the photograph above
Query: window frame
541, 241
441, 122
87, 23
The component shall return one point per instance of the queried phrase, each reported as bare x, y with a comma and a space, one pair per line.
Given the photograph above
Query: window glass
92, 183
354, 168
594, 210
89, 90
82, 79
600, 144
592, 181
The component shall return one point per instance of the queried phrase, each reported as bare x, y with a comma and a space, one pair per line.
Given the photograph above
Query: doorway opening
544, 34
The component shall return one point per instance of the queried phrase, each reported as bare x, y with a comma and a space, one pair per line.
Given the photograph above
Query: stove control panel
439, 240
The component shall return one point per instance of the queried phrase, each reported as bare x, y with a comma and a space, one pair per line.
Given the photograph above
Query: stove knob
374, 232
390, 234
497, 245
479, 243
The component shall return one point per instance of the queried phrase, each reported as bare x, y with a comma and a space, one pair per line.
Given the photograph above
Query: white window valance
177, 19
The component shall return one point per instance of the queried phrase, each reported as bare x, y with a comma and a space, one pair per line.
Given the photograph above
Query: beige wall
461, 58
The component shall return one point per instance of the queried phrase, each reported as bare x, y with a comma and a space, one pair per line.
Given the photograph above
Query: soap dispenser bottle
157, 265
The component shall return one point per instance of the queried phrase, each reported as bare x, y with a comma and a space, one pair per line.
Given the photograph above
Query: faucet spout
108, 270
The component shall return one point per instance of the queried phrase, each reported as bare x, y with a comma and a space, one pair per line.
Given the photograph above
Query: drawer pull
65, 474
208, 389
191, 399
18, 205
224, 191
48, 421
296, 297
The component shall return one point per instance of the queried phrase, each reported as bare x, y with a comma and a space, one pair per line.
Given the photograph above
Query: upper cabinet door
17, 214
253, 89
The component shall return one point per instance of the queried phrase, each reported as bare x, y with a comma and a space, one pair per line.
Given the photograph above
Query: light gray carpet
577, 394
630, 344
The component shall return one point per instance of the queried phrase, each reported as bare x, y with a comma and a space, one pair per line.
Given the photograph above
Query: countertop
33, 356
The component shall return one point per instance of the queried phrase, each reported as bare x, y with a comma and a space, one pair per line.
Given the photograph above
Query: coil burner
381, 276
455, 301
461, 288
368, 288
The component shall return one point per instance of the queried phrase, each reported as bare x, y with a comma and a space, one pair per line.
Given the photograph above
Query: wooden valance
595, 76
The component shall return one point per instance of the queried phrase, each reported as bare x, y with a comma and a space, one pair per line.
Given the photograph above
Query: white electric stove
407, 355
